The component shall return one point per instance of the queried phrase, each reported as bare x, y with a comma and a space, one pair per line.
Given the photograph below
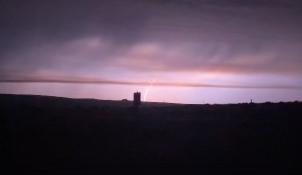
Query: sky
182, 51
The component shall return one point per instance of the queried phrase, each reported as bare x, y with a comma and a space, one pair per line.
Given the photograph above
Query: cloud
141, 36
78, 80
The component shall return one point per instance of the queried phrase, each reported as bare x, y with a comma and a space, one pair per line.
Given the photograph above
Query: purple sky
186, 51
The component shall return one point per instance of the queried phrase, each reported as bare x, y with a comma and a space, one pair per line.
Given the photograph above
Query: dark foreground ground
51, 134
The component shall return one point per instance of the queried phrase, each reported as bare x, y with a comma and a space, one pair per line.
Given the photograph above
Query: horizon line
162, 102
143, 83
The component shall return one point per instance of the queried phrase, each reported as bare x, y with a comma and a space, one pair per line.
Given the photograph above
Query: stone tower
136, 98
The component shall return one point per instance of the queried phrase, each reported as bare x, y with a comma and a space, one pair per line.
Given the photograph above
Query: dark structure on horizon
136, 98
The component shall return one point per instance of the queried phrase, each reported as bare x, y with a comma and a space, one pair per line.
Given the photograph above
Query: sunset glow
197, 51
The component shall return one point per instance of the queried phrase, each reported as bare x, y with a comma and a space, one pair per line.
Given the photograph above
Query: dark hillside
51, 133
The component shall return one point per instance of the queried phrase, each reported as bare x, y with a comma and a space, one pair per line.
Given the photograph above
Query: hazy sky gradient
224, 43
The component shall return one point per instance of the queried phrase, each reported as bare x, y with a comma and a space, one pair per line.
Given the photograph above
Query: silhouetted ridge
61, 134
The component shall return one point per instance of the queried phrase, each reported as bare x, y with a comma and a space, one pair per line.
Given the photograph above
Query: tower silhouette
136, 98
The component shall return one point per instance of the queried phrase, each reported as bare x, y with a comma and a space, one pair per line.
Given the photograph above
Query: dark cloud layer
143, 83
70, 36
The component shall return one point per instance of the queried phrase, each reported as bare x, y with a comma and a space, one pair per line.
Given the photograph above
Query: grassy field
55, 134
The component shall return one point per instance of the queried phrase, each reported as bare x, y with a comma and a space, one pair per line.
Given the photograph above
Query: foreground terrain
55, 134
